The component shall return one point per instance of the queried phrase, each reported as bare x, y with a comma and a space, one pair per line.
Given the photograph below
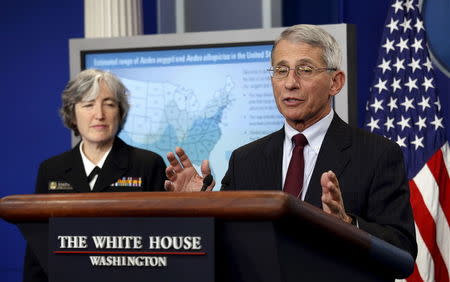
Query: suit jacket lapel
115, 166
332, 156
273, 153
75, 173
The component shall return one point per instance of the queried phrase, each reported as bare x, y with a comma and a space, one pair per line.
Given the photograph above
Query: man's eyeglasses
280, 72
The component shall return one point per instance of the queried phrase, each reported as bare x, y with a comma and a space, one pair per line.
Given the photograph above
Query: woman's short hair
314, 36
85, 87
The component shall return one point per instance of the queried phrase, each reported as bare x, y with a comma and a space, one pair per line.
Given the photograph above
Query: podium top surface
227, 204
235, 205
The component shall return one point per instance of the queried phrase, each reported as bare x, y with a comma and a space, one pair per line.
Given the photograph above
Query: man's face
303, 101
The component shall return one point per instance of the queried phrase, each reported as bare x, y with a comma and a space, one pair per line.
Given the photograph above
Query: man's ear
337, 82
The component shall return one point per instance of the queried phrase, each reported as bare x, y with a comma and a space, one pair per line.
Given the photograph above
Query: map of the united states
164, 115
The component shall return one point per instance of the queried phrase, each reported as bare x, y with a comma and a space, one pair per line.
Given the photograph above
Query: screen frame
344, 104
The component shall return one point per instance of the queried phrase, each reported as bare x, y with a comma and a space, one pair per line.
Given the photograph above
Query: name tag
58, 185
128, 182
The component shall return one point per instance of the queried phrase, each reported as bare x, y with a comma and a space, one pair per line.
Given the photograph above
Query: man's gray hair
85, 87
314, 36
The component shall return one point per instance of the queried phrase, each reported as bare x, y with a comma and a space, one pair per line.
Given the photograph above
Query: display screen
207, 100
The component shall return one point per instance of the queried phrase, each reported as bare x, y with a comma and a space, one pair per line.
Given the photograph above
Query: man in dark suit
95, 106
351, 174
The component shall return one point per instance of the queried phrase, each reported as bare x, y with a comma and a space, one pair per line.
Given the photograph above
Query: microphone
206, 182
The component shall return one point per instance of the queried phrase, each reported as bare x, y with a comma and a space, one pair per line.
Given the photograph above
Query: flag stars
392, 25
404, 123
399, 64
381, 85
428, 64
418, 142
396, 84
389, 45
419, 25
373, 124
403, 44
406, 24
401, 141
421, 123
392, 104
385, 65
397, 6
437, 122
377, 105
408, 104
424, 103
414, 65
408, 5
402, 105
389, 123
438, 104
427, 83
411, 84
417, 44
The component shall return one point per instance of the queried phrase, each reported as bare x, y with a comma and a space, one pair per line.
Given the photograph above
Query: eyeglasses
281, 72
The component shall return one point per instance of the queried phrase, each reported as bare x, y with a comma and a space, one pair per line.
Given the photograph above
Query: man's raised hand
181, 174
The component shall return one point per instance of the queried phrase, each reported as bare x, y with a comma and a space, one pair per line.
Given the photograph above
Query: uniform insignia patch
128, 182
58, 185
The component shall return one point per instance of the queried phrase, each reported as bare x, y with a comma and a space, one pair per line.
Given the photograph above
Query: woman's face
98, 120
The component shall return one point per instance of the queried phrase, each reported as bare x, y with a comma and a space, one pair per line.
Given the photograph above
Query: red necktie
294, 177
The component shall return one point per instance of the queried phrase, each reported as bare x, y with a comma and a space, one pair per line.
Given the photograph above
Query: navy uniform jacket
370, 170
65, 173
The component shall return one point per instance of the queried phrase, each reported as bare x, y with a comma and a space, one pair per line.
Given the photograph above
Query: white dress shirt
89, 166
315, 135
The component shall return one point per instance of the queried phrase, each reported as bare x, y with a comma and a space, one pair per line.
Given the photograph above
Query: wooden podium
259, 236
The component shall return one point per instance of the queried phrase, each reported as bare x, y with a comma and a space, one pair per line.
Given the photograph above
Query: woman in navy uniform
95, 107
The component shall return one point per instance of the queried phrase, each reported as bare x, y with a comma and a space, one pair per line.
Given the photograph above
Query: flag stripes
431, 220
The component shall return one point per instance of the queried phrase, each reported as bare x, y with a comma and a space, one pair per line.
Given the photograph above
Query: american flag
404, 107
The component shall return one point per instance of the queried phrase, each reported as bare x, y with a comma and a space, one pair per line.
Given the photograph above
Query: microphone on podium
206, 182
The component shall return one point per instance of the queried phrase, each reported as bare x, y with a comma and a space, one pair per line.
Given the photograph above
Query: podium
259, 236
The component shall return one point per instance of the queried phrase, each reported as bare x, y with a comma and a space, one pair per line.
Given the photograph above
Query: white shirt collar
88, 165
314, 134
